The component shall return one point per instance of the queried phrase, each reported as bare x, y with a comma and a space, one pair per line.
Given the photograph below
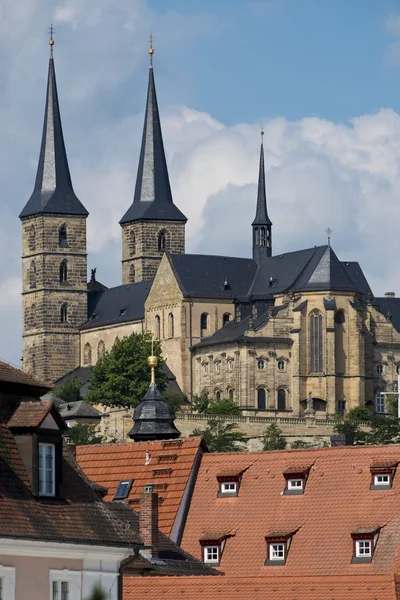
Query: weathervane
51, 40
329, 232
151, 50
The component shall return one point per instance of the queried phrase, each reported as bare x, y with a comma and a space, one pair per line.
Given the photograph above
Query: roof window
213, 545
364, 543
229, 483
277, 548
382, 476
295, 481
123, 489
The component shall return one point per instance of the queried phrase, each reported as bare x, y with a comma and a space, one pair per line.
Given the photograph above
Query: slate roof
153, 418
165, 464
11, 377
204, 276
79, 409
390, 305
120, 304
355, 587
53, 192
338, 483
261, 217
80, 516
153, 198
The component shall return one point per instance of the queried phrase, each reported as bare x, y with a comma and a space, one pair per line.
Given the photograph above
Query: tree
362, 426
200, 403
273, 438
83, 434
222, 437
122, 376
301, 444
97, 593
175, 399
226, 406
69, 391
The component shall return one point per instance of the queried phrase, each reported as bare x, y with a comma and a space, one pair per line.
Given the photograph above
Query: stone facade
143, 245
54, 292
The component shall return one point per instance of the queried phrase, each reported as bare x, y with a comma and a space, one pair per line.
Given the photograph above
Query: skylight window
123, 489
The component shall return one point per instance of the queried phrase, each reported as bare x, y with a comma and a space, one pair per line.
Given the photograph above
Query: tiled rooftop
337, 502
356, 587
30, 414
166, 464
9, 374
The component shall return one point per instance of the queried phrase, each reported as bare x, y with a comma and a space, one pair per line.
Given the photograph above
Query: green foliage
83, 434
97, 593
122, 376
69, 390
222, 437
364, 427
301, 444
273, 438
175, 399
226, 406
200, 404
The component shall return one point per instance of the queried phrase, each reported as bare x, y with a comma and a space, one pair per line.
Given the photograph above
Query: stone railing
248, 419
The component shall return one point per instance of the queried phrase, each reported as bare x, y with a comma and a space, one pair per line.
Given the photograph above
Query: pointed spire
261, 217
153, 197
53, 192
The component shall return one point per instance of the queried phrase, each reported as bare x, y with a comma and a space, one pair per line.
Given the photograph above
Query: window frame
379, 369
290, 489
293, 484
281, 365
361, 539
282, 541
217, 366
377, 472
380, 402
7, 575
316, 343
205, 368
65, 575
263, 362
128, 483
41, 463
230, 364
212, 548
276, 547
359, 552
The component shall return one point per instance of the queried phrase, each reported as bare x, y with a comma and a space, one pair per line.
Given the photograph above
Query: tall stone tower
262, 225
54, 263
153, 224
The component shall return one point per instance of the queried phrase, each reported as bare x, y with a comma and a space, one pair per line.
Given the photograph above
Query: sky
322, 77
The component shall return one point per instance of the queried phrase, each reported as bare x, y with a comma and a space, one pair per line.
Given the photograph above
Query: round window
261, 364
379, 369
281, 365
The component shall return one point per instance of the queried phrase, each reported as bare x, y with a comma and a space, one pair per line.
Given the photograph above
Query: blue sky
322, 76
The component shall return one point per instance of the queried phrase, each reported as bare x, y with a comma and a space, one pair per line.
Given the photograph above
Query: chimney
148, 519
390, 295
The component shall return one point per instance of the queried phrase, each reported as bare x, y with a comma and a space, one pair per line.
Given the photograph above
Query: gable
165, 288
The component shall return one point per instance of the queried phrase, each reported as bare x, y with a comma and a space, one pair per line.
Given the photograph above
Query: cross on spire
151, 49
51, 40
329, 232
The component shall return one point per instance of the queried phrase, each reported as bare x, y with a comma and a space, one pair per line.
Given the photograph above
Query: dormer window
123, 489
47, 478
213, 545
382, 476
229, 483
295, 484
277, 549
295, 481
211, 554
364, 543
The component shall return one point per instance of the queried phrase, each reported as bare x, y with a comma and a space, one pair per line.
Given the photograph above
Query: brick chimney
148, 519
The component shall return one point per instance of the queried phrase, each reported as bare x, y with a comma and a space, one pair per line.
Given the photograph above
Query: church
279, 334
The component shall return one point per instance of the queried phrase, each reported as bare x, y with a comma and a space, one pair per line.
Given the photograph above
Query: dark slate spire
153, 198
262, 225
153, 417
53, 192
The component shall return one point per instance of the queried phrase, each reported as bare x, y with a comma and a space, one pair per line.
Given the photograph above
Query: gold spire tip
51, 32
151, 49
262, 130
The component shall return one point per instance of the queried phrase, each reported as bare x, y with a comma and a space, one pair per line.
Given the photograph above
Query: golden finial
151, 49
51, 40
152, 361
262, 131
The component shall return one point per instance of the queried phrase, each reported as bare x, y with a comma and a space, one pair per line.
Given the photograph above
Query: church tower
262, 226
153, 224
54, 264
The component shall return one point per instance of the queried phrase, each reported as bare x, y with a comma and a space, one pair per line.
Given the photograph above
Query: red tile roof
145, 463
9, 374
30, 414
337, 502
355, 587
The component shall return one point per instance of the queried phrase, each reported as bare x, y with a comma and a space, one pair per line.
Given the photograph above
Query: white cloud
319, 173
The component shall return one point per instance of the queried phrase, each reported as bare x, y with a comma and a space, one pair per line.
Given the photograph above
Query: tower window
158, 327
32, 274
230, 394
162, 241
87, 354
262, 236
63, 271
132, 274
218, 395
62, 236
64, 313
204, 318
256, 237
380, 403
132, 243
315, 342
281, 399
33, 316
261, 396
226, 319
101, 348
32, 238
171, 325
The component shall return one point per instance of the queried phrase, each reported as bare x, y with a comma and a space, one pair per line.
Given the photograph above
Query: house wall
108, 335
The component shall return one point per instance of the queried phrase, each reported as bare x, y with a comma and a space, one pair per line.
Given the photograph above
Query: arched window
132, 274
230, 364
217, 394
256, 237
261, 364
64, 271
380, 403
33, 315
261, 399
230, 394
203, 324
32, 274
170, 325
225, 319
262, 236
315, 342
158, 327
64, 313
87, 354
281, 364
132, 243
101, 348
281, 399
218, 366
340, 346
162, 241
32, 237
62, 236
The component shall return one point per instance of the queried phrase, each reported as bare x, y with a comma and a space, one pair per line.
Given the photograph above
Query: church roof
261, 217
119, 304
153, 197
391, 306
53, 192
153, 418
